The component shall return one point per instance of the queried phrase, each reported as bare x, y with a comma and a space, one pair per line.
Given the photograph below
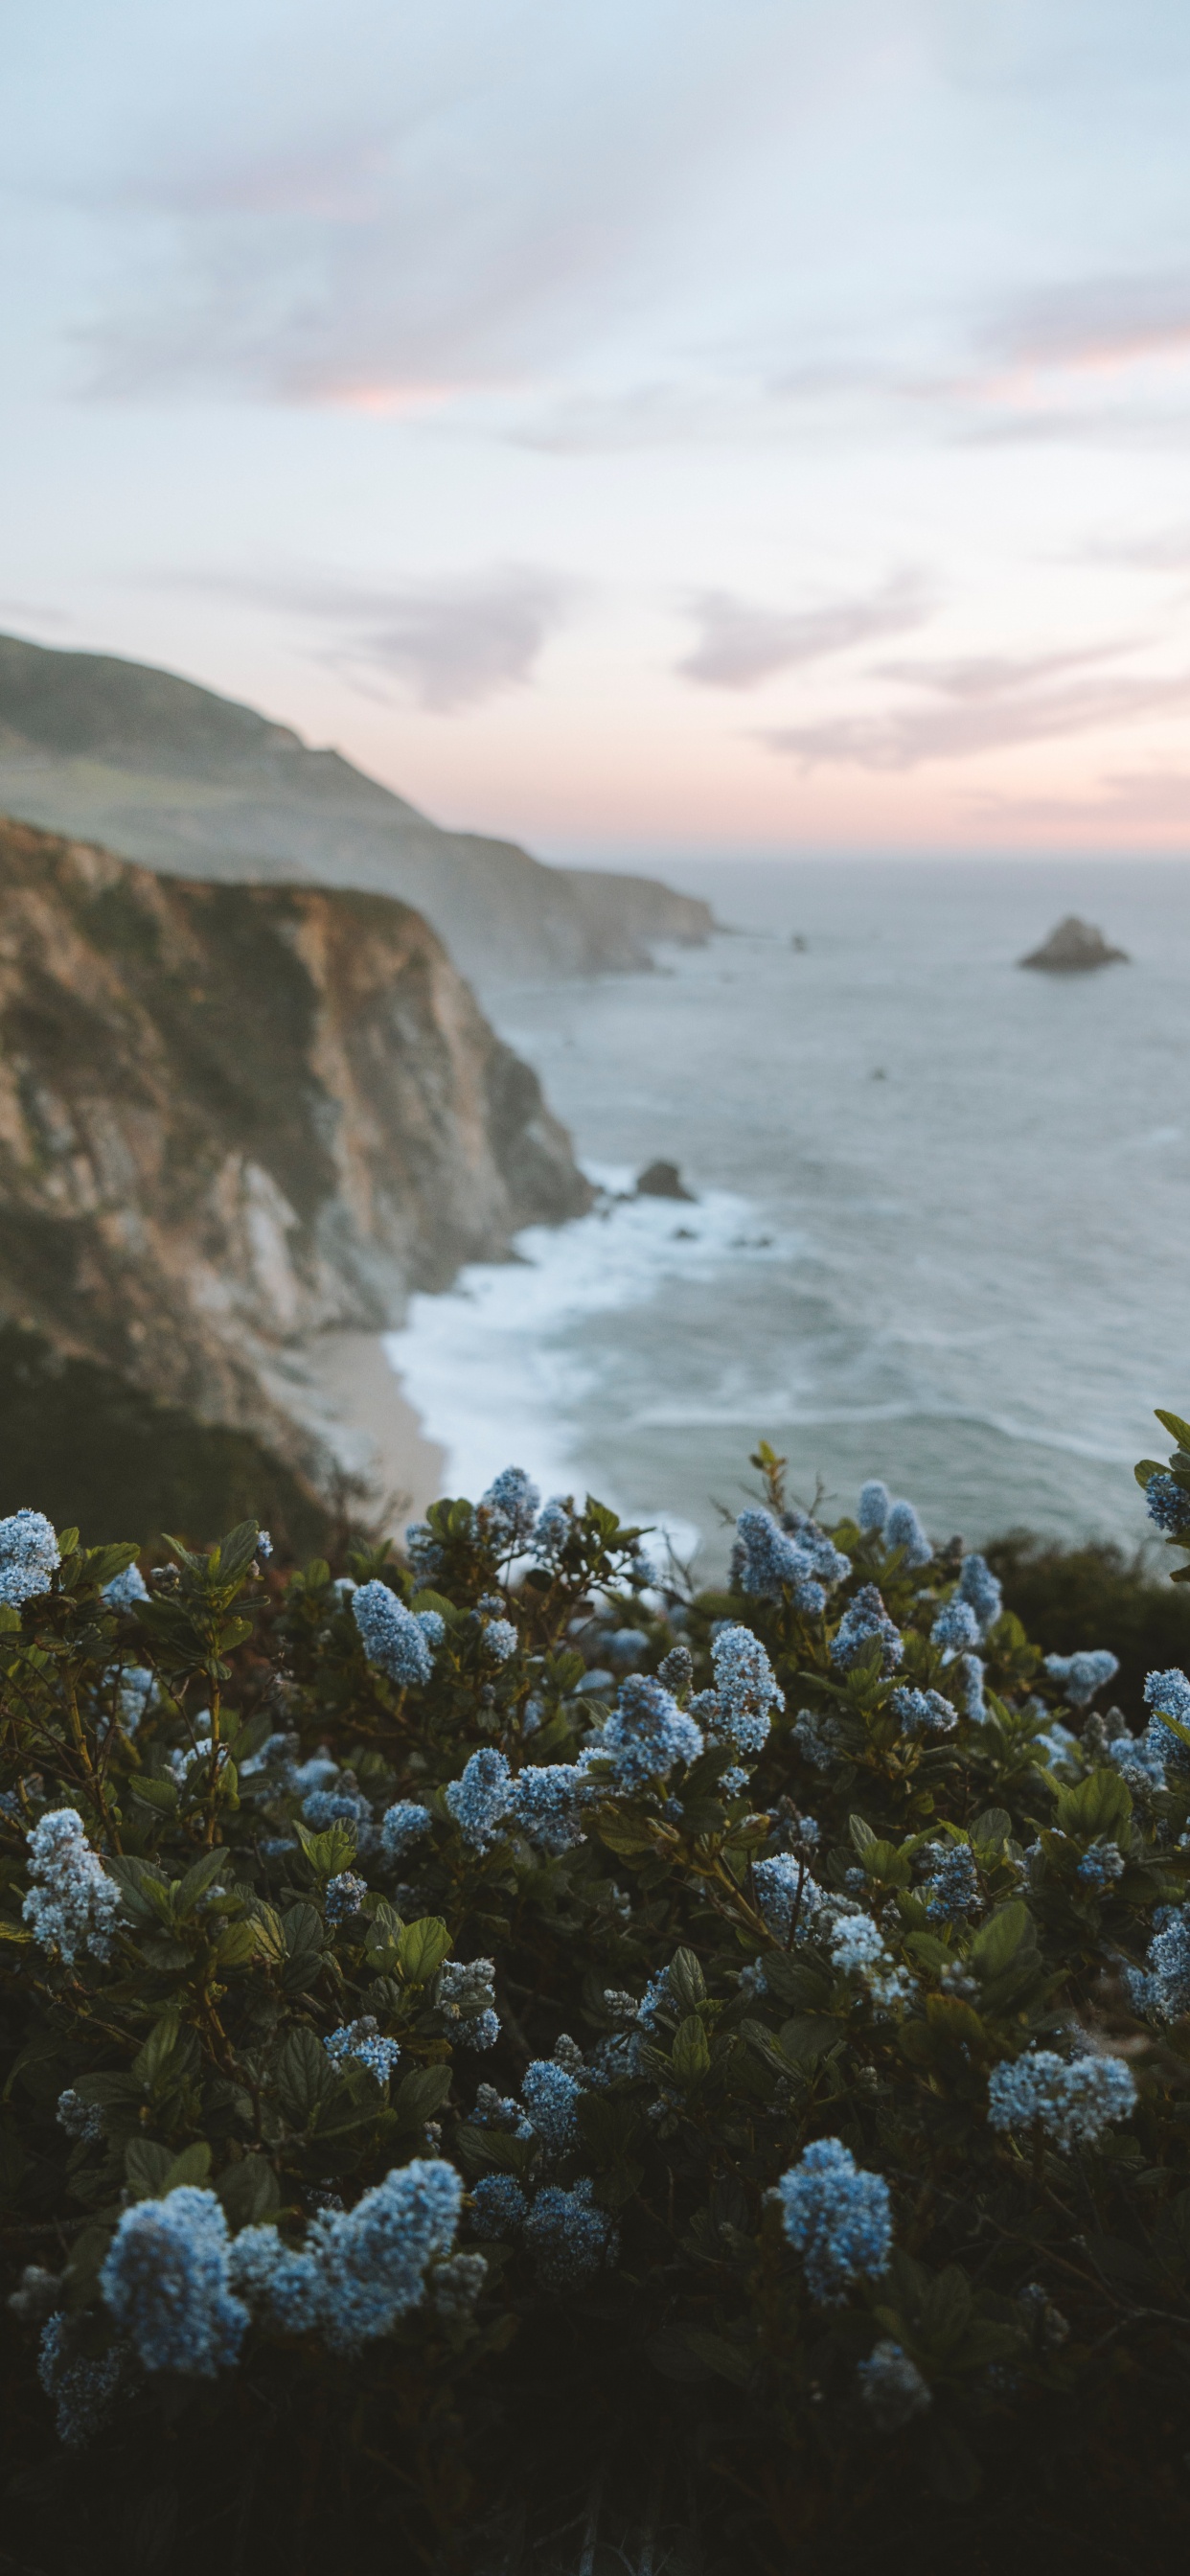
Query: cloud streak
741, 644
981, 705
451, 645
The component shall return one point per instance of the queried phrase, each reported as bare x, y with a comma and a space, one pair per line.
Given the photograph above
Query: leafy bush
484, 2023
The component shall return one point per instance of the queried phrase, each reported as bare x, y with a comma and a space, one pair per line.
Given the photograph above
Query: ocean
940, 1224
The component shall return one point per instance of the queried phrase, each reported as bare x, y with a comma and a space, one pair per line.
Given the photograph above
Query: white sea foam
496, 1367
974, 1278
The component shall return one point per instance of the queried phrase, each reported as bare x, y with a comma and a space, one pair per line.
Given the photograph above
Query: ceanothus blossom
397, 1641
74, 1905
839, 2218
1071, 2100
1083, 1674
29, 1556
166, 2282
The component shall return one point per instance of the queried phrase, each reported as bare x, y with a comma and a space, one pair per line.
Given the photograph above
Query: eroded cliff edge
233, 1118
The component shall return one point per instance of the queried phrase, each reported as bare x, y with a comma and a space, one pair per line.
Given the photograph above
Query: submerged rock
662, 1181
1074, 948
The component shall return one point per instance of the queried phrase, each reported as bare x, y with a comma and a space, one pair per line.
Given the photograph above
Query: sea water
940, 1230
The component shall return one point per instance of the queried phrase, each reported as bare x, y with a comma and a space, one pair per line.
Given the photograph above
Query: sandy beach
369, 1422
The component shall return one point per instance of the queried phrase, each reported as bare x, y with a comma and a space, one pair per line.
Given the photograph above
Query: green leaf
1173, 1423
192, 2166
945, 2308
196, 1882
229, 1562
421, 1949
1098, 1805
237, 1944
154, 2057
146, 2165
304, 2076
690, 2056
725, 2359
249, 2191
807, 2037
421, 2094
328, 1853
998, 1940
685, 1980
161, 1795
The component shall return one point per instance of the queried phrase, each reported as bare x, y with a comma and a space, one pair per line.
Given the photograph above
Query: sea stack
1074, 948
662, 1181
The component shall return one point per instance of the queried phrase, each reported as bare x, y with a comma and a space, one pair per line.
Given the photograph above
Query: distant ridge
193, 784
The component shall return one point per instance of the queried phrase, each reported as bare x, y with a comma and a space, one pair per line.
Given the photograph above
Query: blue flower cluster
1164, 1991
423, 1551
551, 2098
29, 1556
952, 1888
569, 2236
344, 1896
79, 2119
981, 1588
1168, 1503
126, 1590
136, 1694
787, 1895
344, 1805
972, 1672
1071, 2100
553, 1529
397, 1641
746, 1685
1101, 1866
499, 1641
509, 1510
361, 2270
363, 2041
1168, 1695
480, 1800
865, 1619
924, 1712
647, 1732
166, 2282
858, 1950
839, 2218
547, 1803
75, 1904
874, 1505
767, 1562
1081, 1675
956, 1626
81, 2389
828, 1561
500, 2207
466, 1996
892, 2387
401, 1826
903, 1529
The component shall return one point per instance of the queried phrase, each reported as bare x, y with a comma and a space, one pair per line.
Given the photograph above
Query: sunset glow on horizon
754, 425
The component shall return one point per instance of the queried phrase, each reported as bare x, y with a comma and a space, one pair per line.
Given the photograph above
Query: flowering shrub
416, 2040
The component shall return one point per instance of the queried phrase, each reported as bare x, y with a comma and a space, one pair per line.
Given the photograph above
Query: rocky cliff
233, 1117
195, 785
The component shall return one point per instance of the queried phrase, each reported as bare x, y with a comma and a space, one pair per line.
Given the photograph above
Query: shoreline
369, 1422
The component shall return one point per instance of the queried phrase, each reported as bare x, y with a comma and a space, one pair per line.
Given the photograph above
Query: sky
636, 427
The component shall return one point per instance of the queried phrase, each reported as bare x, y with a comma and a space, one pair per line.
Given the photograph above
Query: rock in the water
662, 1181
1074, 948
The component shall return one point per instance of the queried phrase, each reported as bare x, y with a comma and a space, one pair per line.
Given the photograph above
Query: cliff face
232, 1117
194, 785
